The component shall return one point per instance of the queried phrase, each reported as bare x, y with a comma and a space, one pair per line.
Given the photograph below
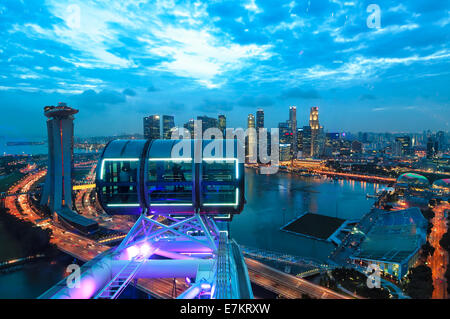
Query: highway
438, 262
286, 285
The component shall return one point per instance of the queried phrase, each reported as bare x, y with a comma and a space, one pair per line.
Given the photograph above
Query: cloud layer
120, 60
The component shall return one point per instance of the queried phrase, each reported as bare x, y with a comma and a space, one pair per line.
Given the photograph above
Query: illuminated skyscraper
152, 127
315, 131
252, 140
314, 118
168, 126
57, 191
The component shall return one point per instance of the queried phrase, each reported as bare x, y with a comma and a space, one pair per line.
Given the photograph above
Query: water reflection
274, 200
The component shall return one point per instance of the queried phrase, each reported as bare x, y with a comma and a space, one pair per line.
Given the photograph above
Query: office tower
223, 124
285, 132
152, 127
286, 140
300, 141
307, 137
168, 126
314, 118
189, 126
315, 131
259, 119
252, 139
57, 191
404, 145
208, 122
293, 127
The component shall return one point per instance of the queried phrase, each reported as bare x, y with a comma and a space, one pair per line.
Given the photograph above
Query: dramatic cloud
131, 58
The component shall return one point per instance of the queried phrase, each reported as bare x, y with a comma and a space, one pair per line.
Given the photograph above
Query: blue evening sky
118, 61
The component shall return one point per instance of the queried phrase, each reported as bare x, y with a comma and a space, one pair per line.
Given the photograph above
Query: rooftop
394, 236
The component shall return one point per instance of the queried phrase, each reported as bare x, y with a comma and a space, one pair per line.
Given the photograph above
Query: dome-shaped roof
413, 179
442, 183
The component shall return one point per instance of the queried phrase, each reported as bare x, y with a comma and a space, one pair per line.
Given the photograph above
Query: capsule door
169, 180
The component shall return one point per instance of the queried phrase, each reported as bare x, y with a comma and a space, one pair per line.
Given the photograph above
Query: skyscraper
208, 122
252, 140
152, 127
293, 127
315, 131
404, 145
259, 119
168, 126
57, 191
190, 127
307, 141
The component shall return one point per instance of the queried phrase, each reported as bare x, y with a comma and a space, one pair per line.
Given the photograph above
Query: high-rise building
293, 127
168, 126
314, 118
259, 119
152, 127
208, 122
404, 145
286, 135
307, 141
57, 191
190, 127
222, 124
300, 141
315, 131
252, 140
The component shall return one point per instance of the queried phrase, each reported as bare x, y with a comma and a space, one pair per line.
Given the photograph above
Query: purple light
205, 286
145, 249
188, 280
132, 252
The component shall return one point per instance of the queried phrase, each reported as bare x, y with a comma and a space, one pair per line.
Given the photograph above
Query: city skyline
223, 58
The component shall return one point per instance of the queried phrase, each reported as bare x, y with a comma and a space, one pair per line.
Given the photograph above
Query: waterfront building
396, 253
58, 183
252, 140
57, 192
285, 152
316, 132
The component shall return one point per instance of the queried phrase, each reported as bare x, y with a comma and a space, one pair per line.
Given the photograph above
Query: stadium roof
442, 183
413, 179
394, 236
